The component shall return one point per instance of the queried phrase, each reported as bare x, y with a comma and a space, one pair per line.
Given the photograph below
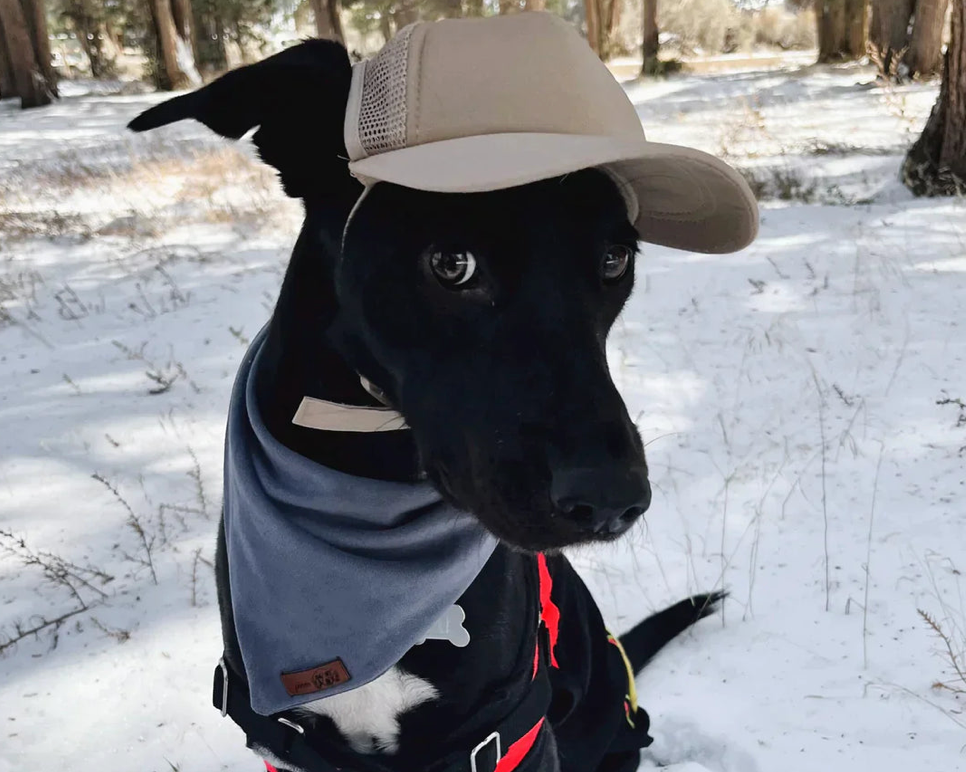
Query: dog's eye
452, 268
615, 262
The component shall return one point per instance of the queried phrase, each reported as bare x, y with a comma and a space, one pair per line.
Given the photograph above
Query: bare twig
954, 659
135, 524
724, 530
195, 474
868, 561
849, 401
238, 334
63, 573
118, 634
163, 376
194, 575
919, 697
899, 359
961, 419
164, 381
821, 424
42, 625
72, 308
777, 269
70, 382
77, 580
759, 513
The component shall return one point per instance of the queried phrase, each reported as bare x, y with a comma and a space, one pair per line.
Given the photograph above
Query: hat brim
685, 198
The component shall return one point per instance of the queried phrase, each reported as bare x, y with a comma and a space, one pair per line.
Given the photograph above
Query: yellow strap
631, 685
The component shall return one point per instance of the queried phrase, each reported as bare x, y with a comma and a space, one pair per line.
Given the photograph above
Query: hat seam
698, 161
668, 215
351, 135
417, 101
627, 192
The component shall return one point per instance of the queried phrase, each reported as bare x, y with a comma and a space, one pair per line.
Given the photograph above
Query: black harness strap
293, 744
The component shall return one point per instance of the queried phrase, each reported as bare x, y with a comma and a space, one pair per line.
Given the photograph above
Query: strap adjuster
292, 725
493, 737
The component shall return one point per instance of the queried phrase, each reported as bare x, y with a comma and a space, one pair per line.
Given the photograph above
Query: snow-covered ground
799, 400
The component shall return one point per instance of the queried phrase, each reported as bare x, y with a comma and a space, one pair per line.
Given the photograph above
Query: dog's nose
602, 501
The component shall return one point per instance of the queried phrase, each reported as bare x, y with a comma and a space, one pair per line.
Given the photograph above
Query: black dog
482, 318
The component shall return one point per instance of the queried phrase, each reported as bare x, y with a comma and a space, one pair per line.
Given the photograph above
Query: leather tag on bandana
317, 679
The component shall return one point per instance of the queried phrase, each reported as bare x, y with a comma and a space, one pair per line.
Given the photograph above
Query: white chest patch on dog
368, 717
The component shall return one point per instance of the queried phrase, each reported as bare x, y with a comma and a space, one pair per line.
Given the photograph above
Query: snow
790, 397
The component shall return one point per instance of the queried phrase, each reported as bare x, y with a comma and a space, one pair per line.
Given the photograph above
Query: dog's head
483, 316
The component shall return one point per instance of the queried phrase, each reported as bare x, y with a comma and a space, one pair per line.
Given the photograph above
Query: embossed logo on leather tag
316, 679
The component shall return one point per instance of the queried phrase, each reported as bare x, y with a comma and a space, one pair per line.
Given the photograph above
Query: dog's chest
368, 717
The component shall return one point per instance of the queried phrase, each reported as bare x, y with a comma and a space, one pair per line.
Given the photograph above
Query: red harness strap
550, 616
549, 612
517, 752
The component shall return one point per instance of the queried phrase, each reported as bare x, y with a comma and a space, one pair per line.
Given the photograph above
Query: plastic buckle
494, 737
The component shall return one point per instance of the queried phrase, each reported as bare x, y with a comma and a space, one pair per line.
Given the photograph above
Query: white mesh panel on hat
382, 110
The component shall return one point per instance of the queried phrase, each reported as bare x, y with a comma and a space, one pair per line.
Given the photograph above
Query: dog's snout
601, 501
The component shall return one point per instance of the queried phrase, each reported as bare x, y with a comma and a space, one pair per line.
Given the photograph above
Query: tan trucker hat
468, 105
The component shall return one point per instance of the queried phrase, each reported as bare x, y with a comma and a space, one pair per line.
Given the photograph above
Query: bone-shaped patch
449, 627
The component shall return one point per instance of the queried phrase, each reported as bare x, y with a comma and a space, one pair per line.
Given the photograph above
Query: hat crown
524, 73
475, 105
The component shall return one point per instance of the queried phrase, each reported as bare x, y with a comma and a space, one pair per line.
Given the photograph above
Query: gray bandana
333, 577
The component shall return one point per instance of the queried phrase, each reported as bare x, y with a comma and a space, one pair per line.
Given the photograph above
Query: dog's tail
646, 639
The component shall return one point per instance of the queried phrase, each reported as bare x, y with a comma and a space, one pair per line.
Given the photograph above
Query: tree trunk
328, 23
37, 24
857, 28
210, 36
7, 88
842, 29
603, 17
451, 9
592, 10
176, 64
651, 45
612, 14
385, 27
405, 14
889, 33
88, 25
890, 24
87, 35
936, 163
29, 80
535, 5
830, 18
925, 55
508, 6
184, 23
474, 7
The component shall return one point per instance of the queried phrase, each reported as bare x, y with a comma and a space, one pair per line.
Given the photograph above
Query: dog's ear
297, 98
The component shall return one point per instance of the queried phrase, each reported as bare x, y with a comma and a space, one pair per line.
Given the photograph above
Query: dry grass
26, 224
81, 168
141, 196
